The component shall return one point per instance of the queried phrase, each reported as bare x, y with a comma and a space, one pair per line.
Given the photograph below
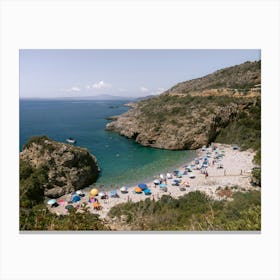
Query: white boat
71, 140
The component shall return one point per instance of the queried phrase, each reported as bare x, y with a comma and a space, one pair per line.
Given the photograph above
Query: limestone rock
69, 168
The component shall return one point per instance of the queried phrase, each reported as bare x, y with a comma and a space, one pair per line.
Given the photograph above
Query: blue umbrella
163, 185
176, 181
114, 194
147, 191
76, 198
51, 201
142, 186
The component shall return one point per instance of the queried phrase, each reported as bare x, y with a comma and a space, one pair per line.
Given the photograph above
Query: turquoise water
122, 161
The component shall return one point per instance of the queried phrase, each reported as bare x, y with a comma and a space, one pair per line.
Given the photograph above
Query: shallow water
122, 161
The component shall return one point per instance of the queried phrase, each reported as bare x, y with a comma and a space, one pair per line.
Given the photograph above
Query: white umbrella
101, 194
169, 176
123, 189
51, 201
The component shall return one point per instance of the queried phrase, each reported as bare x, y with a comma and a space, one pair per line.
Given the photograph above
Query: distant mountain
96, 97
100, 97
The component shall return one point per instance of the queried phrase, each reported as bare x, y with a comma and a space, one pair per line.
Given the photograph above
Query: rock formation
69, 168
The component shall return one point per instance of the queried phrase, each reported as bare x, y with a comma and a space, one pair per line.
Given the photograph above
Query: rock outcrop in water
192, 114
67, 168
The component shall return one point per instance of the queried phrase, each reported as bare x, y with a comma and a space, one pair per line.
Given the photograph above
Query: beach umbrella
101, 194
76, 198
94, 192
124, 189
162, 185
192, 176
147, 191
51, 201
142, 186
61, 202
96, 205
79, 192
68, 207
176, 181
169, 176
157, 181
113, 193
162, 176
138, 190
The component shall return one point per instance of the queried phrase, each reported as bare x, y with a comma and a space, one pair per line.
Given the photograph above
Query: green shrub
40, 218
194, 211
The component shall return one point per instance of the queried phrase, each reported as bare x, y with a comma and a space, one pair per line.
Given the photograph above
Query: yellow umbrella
93, 192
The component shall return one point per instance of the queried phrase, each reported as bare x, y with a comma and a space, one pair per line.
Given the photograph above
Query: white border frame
139, 24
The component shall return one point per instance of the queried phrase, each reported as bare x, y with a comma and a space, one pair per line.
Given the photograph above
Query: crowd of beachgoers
216, 167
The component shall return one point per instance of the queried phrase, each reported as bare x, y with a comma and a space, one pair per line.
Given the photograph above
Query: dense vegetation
194, 211
245, 129
32, 181
40, 218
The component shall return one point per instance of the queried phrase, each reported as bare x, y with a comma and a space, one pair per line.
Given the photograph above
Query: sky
128, 73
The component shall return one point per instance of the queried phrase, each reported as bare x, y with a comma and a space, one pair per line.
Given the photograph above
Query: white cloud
144, 89
101, 85
73, 89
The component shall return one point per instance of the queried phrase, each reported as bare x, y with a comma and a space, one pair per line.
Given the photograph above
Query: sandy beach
235, 175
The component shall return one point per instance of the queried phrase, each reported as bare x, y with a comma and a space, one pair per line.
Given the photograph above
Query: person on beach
206, 174
225, 173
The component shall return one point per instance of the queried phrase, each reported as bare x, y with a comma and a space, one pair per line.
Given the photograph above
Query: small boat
71, 140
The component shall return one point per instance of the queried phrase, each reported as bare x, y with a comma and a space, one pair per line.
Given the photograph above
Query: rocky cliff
192, 114
66, 167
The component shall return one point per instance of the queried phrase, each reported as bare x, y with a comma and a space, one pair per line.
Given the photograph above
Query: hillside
241, 77
194, 113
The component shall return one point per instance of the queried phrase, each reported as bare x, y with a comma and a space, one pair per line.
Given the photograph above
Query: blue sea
122, 161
